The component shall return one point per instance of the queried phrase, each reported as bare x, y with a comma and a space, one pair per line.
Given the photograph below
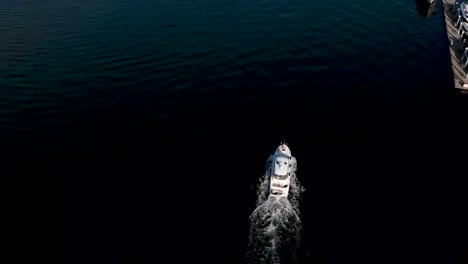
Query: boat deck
456, 46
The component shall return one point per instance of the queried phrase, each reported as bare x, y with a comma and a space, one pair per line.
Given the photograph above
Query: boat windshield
281, 177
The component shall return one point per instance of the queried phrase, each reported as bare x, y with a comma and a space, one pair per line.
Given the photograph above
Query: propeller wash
275, 226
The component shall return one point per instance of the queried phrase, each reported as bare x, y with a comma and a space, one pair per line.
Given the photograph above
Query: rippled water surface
63, 60
150, 110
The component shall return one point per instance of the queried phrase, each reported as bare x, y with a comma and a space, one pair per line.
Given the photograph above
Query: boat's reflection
426, 9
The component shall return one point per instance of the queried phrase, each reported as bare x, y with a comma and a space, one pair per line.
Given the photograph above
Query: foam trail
275, 226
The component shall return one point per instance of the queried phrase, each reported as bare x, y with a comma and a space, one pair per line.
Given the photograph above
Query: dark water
156, 117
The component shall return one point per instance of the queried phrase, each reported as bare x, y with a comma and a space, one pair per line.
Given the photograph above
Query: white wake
275, 226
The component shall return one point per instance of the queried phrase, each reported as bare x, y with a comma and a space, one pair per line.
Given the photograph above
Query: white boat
280, 171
